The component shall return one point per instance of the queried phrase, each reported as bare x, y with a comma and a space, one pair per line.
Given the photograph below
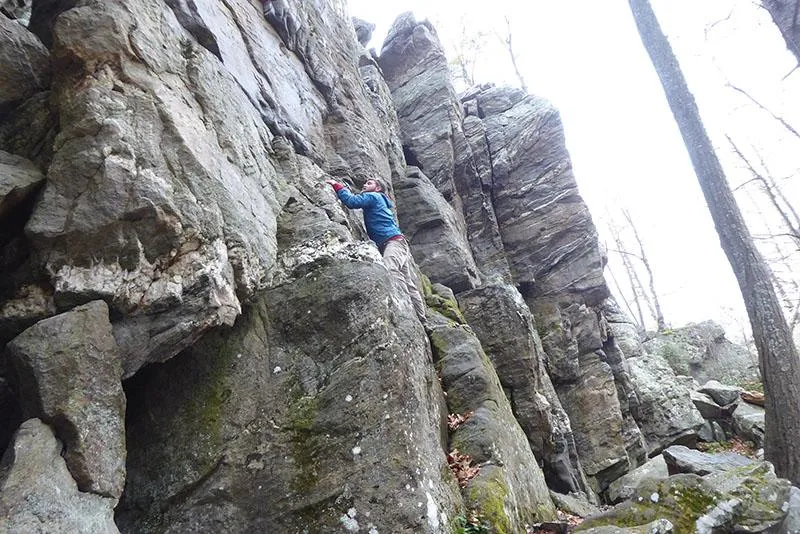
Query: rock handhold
67, 371
37, 493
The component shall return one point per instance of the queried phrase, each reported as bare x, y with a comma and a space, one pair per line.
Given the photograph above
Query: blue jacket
378, 214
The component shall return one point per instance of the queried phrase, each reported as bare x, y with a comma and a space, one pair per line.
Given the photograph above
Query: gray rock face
791, 524
625, 486
748, 423
28, 130
702, 351
23, 300
19, 10
682, 459
26, 306
437, 241
505, 327
593, 408
67, 371
428, 112
546, 229
363, 30
622, 330
666, 413
24, 62
320, 409
19, 178
509, 476
474, 180
37, 493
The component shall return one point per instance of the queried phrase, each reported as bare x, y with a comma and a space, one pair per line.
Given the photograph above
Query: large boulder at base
666, 413
37, 493
743, 499
702, 351
67, 371
748, 423
625, 486
682, 459
320, 409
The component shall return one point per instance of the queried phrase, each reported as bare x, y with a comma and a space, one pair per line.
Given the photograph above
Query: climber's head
372, 186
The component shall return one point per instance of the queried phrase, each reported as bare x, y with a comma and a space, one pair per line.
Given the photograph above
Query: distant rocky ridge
182, 296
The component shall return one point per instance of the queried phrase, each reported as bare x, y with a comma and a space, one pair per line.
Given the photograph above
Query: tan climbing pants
397, 257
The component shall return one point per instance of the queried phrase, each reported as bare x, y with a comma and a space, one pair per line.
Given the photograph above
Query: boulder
722, 394
24, 62
67, 371
666, 413
319, 407
702, 351
625, 486
37, 493
659, 526
574, 503
708, 407
748, 423
743, 499
682, 459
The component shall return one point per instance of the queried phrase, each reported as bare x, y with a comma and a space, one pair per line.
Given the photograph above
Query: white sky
586, 57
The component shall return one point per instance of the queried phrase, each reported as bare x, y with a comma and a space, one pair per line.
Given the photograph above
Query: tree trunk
778, 358
786, 15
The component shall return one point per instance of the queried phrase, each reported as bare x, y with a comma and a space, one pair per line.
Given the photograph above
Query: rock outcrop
703, 352
172, 264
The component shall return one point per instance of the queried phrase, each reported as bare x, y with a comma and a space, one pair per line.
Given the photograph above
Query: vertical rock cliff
192, 315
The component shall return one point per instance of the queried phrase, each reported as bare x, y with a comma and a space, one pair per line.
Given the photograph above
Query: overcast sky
586, 57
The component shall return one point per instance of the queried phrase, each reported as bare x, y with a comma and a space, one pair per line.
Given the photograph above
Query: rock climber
384, 231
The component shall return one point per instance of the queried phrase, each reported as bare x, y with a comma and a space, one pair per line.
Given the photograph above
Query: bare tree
510, 49
637, 290
466, 52
778, 358
777, 199
762, 107
657, 313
